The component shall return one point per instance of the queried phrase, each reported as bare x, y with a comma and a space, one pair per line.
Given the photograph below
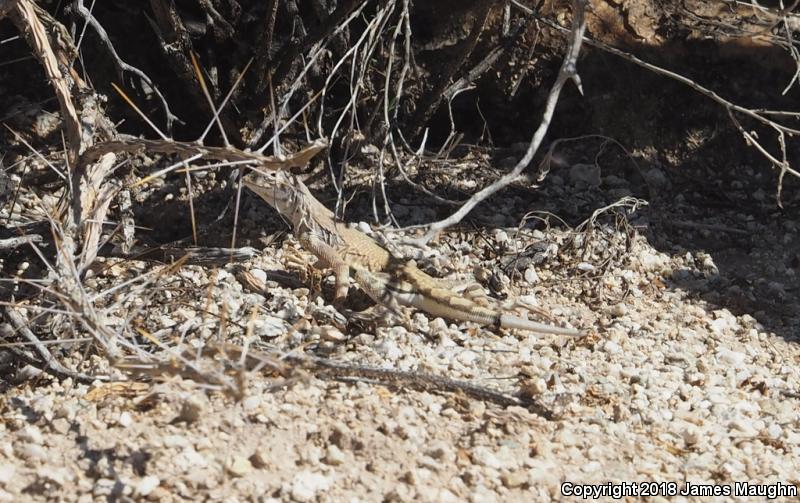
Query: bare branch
567, 72
51, 365
122, 65
25, 17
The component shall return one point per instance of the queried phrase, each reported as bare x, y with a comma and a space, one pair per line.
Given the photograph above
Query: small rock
334, 456
530, 276
189, 458
612, 347
30, 434
260, 459
125, 419
175, 441
744, 426
708, 266
251, 403
652, 261
332, 334
58, 476
43, 406
477, 408
773, 431
67, 410
733, 358
159, 494
591, 466
467, 358
30, 452
238, 466
306, 485
656, 178
389, 350
60, 426
619, 310
192, 408
440, 451
6, 473
777, 288
514, 479
259, 276
690, 436
146, 485
104, 487
533, 387
484, 457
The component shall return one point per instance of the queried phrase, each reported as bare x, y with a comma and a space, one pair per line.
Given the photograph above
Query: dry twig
567, 72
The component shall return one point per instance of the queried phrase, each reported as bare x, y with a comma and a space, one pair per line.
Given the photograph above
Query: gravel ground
689, 379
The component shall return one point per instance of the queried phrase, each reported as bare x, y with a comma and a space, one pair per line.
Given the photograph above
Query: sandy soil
689, 380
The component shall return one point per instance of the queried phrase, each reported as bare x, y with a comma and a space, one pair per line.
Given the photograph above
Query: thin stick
199, 74
52, 366
101, 32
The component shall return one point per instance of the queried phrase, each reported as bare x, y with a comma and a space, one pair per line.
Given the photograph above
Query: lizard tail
508, 321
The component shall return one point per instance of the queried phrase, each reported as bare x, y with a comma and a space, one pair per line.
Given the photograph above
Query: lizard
388, 280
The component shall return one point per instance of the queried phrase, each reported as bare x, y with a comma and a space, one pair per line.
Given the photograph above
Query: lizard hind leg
474, 292
519, 306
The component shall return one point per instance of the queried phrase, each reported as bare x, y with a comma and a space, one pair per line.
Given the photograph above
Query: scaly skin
385, 278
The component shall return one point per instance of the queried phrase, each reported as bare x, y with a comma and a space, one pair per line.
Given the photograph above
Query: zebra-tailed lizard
388, 280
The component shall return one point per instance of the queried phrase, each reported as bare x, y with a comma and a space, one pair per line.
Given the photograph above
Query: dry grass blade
25, 17
50, 364
199, 74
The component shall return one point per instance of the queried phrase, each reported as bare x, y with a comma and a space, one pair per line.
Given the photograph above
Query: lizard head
279, 189
273, 183
274, 187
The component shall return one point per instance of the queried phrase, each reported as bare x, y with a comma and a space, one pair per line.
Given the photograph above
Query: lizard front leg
328, 256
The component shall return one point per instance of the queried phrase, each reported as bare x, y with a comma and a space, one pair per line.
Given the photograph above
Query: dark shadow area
708, 192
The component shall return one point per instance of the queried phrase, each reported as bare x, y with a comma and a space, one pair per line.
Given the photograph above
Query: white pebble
31, 434
389, 350
733, 358
146, 485
306, 485
334, 456
612, 347
238, 466
619, 309
6, 473
259, 275
125, 419
251, 403
774, 431
484, 457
